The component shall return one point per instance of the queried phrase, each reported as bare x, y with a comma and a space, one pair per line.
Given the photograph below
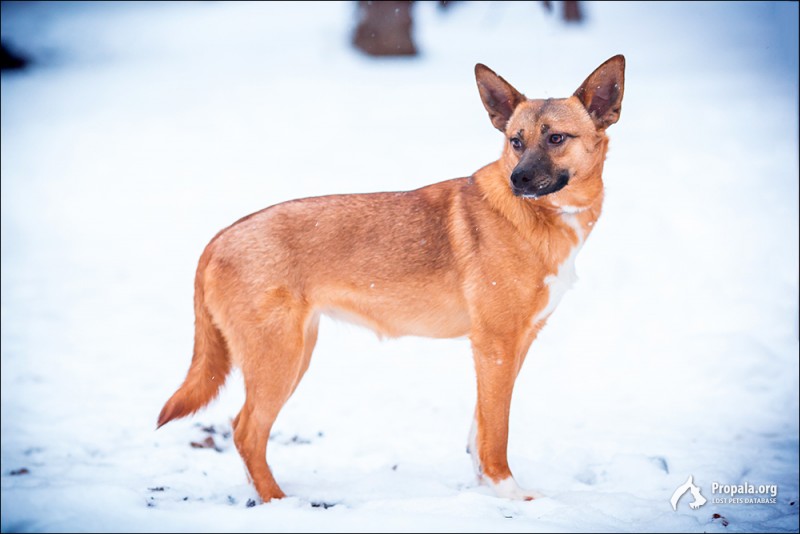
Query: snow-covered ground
144, 128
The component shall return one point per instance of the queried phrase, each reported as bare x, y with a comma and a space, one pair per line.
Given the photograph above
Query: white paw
509, 489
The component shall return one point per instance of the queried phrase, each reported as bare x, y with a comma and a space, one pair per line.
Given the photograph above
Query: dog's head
554, 144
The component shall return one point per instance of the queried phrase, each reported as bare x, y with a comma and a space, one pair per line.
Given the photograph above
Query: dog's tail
211, 360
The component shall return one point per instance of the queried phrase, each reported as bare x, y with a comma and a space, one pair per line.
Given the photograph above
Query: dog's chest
565, 277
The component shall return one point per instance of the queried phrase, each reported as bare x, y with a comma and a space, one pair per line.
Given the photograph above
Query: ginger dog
488, 256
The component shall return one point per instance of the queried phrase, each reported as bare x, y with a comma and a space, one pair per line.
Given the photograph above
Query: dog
487, 256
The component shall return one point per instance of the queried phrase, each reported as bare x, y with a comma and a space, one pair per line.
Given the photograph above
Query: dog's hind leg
278, 354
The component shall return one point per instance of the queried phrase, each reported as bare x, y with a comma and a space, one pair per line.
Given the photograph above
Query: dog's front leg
496, 366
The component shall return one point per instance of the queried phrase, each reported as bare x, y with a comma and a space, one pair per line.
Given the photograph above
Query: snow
147, 127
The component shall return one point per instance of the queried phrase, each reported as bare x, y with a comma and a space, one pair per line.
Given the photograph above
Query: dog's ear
601, 93
499, 98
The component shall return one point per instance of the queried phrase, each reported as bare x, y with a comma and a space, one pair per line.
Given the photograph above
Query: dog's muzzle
526, 183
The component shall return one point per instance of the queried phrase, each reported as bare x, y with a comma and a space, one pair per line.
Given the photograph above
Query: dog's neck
559, 211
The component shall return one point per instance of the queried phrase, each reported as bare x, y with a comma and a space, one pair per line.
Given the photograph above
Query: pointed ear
601, 93
499, 98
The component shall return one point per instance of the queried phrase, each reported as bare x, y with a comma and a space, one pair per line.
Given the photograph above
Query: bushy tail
211, 361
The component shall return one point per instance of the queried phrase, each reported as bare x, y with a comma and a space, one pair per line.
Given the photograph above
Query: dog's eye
516, 143
556, 139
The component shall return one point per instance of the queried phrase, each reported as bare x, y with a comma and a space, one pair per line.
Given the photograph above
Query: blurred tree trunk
384, 28
571, 11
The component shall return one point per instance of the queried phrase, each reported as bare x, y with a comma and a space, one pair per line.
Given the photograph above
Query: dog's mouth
541, 187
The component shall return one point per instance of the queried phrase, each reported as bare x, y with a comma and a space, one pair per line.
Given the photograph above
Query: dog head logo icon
689, 485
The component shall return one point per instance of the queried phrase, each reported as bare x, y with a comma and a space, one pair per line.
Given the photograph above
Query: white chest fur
558, 283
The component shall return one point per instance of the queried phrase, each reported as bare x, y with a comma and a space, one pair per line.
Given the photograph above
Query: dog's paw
509, 489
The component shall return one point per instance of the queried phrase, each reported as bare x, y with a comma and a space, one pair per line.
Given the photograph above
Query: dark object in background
571, 10
384, 29
12, 60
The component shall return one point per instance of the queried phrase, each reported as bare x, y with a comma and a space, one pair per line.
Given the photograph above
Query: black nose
520, 178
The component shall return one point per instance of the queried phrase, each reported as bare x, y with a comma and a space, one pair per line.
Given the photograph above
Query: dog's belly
427, 315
